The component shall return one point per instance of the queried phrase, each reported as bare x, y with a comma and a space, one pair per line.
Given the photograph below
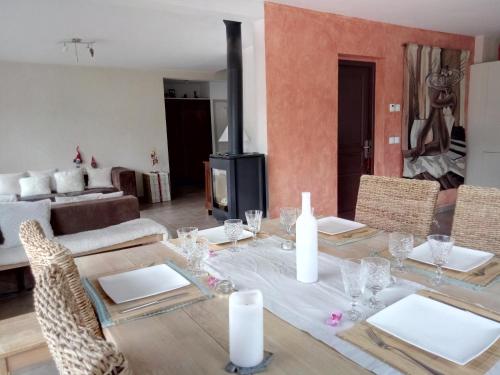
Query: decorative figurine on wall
78, 158
154, 159
93, 163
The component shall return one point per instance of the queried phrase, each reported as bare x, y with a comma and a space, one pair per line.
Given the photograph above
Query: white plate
461, 258
335, 225
217, 236
450, 333
144, 282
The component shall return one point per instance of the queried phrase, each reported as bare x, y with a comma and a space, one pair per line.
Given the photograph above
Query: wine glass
400, 247
353, 285
254, 220
188, 237
233, 229
288, 217
376, 273
441, 246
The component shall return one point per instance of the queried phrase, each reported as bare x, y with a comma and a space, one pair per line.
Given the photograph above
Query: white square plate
461, 258
335, 225
141, 283
440, 329
217, 236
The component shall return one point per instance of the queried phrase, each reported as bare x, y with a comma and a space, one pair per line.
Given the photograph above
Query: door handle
367, 147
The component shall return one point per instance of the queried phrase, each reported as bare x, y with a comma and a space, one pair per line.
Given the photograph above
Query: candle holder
261, 367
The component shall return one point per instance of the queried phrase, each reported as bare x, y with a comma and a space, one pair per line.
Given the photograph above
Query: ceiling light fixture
77, 43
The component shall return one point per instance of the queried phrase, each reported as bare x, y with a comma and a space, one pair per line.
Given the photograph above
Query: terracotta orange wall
302, 52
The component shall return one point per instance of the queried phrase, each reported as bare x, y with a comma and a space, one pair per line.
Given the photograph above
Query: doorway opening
189, 134
356, 98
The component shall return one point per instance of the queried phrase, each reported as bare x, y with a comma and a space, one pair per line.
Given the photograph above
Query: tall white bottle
307, 243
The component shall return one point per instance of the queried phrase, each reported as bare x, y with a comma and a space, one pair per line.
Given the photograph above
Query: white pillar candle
246, 328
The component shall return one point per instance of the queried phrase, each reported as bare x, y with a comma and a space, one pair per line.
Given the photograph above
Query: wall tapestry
433, 142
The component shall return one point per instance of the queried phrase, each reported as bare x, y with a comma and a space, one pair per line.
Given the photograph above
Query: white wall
486, 48
254, 92
116, 115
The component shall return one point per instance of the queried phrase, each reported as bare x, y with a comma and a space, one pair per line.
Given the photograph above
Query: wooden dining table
194, 339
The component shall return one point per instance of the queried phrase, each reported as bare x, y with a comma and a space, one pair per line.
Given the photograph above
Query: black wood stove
238, 179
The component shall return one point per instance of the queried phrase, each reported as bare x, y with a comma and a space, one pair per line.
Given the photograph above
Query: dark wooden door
355, 145
189, 136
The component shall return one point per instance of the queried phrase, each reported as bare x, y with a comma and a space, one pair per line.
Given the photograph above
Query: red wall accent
302, 52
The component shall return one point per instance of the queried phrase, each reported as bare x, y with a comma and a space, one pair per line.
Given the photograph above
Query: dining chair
74, 347
397, 204
42, 252
476, 222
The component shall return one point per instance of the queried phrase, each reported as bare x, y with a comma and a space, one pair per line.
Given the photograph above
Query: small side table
156, 187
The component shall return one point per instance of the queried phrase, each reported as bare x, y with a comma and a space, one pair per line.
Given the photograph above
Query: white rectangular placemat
305, 306
437, 328
335, 225
141, 283
461, 258
217, 235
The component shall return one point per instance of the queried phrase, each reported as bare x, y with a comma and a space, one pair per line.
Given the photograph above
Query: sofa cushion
9, 183
46, 172
69, 181
94, 239
99, 177
35, 186
34, 198
77, 198
8, 198
112, 235
13, 214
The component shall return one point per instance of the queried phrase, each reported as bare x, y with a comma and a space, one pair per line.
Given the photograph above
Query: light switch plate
394, 107
396, 140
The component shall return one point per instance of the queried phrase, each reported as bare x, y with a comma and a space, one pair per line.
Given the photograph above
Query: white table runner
305, 306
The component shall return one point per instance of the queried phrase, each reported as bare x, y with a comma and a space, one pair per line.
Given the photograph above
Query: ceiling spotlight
77, 42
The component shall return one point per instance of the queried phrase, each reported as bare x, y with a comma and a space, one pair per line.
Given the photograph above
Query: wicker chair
397, 204
76, 351
476, 222
42, 252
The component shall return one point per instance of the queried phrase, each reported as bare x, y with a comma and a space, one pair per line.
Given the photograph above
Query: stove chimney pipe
234, 87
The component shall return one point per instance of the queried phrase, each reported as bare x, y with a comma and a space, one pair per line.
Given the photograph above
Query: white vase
307, 243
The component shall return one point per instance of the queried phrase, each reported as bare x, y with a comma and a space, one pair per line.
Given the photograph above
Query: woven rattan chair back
476, 223
397, 204
42, 252
74, 348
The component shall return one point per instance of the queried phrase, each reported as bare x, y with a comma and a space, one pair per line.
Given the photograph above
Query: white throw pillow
69, 181
46, 172
9, 183
99, 177
8, 198
13, 214
116, 194
35, 186
78, 198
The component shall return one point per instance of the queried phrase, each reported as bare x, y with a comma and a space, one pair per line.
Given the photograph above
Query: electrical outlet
396, 140
394, 107
391, 140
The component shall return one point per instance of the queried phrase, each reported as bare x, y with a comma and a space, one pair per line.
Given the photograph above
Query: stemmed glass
288, 217
400, 247
441, 246
254, 220
353, 285
376, 276
188, 237
233, 229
